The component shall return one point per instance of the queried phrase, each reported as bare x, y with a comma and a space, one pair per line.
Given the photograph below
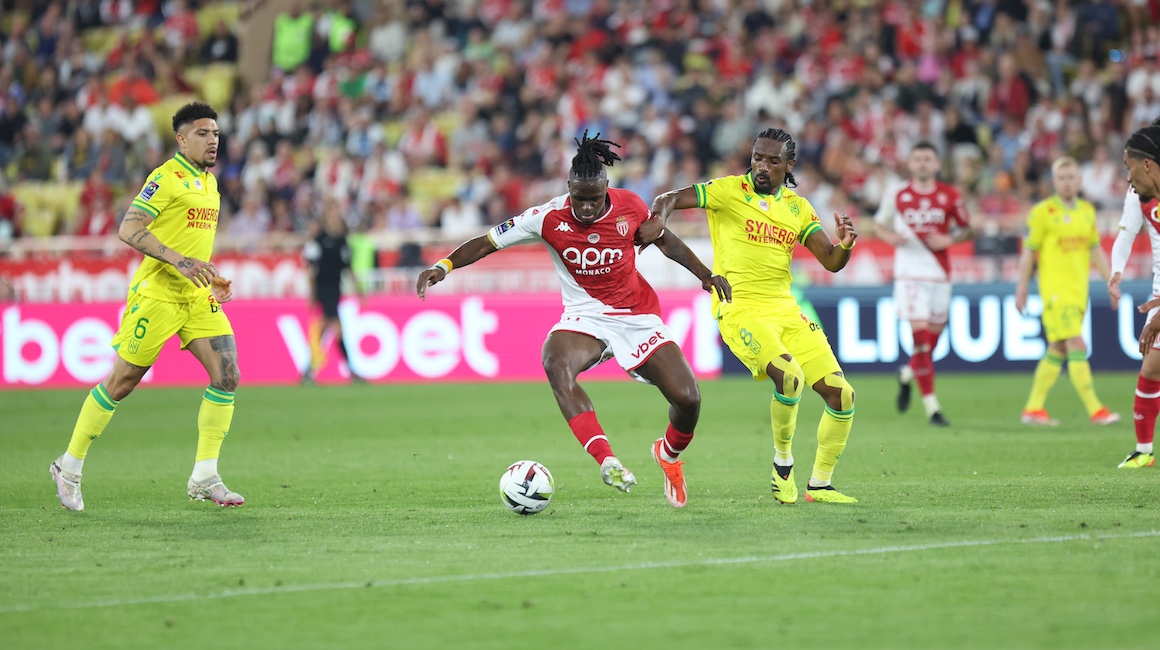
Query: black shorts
328, 298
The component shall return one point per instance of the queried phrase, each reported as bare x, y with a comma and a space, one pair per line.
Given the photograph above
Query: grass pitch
373, 519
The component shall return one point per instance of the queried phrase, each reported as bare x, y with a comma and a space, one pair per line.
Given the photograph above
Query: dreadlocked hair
1144, 144
779, 135
592, 156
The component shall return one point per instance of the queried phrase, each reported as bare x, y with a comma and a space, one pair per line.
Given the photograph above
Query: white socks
71, 464
1144, 447
930, 403
204, 469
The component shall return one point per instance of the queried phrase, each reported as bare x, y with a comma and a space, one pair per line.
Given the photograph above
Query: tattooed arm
134, 231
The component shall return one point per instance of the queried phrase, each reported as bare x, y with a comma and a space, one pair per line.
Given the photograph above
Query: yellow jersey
184, 204
754, 235
1064, 237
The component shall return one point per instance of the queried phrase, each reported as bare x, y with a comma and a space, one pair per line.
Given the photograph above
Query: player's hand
199, 272
428, 278
1020, 298
650, 231
221, 290
936, 241
1114, 292
846, 232
721, 285
1151, 330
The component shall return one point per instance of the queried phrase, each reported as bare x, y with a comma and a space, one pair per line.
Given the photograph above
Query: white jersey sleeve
526, 227
884, 217
1131, 221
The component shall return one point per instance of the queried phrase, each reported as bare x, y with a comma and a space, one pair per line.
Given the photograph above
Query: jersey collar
568, 204
1059, 199
184, 162
776, 195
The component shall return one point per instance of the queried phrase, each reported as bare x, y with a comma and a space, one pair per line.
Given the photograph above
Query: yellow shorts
1063, 319
758, 333
148, 323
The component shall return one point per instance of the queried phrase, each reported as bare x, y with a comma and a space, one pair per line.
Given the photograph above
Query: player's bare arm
679, 252
1027, 261
937, 241
834, 256
662, 208
134, 231
469, 252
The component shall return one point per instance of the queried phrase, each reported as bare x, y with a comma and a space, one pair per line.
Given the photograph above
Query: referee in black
328, 258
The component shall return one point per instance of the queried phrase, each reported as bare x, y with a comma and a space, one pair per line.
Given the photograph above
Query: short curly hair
192, 112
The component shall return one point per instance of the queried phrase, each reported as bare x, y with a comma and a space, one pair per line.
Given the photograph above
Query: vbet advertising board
498, 337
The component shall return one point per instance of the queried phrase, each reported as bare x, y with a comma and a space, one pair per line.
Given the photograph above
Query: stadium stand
398, 108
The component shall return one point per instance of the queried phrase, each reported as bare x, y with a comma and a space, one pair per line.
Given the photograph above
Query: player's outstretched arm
1027, 259
469, 252
1121, 250
662, 208
834, 256
134, 231
679, 252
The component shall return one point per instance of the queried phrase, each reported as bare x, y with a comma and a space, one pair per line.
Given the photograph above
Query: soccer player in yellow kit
755, 221
176, 290
1062, 239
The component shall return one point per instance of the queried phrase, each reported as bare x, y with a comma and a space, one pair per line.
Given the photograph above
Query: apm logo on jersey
592, 261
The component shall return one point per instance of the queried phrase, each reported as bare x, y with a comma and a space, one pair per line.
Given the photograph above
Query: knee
687, 400
231, 376
839, 394
119, 387
792, 379
558, 371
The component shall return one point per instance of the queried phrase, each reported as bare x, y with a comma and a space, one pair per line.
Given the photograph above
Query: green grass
373, 519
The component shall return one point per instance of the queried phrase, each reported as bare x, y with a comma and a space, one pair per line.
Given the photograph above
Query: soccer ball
526, 487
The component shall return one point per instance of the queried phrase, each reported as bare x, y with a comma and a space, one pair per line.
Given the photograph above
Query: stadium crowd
447, 115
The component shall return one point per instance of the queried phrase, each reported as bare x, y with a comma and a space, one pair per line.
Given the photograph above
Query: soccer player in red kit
921, 220
610, 311
1142, 158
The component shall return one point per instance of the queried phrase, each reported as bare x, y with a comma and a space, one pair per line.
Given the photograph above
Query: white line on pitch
473, 577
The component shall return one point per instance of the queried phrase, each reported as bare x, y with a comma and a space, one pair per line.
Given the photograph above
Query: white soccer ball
526, 487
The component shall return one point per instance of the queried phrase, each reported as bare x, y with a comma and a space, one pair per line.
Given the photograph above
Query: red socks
1146, 408
587, 430
921, 362
674, 443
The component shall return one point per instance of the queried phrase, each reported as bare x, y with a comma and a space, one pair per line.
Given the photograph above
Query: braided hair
779, 135
592, 156
1144, 144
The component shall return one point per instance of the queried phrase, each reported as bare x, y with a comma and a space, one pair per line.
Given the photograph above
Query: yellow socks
1080, 373
213, 422
94, 417
833, 432
783, 412
1046, 373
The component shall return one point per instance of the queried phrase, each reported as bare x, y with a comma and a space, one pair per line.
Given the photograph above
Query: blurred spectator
81, 155
221, 46
180, 27
132, 83
402, 215
460, 219
292, 37
34, 157
11, 213
252, 220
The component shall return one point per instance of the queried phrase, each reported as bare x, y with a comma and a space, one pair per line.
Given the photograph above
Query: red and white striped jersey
596, 262
916, 215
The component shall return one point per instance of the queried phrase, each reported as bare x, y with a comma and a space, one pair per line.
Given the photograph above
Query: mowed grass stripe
540, 573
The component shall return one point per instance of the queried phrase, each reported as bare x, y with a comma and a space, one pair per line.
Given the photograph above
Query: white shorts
922, 300
630, 339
